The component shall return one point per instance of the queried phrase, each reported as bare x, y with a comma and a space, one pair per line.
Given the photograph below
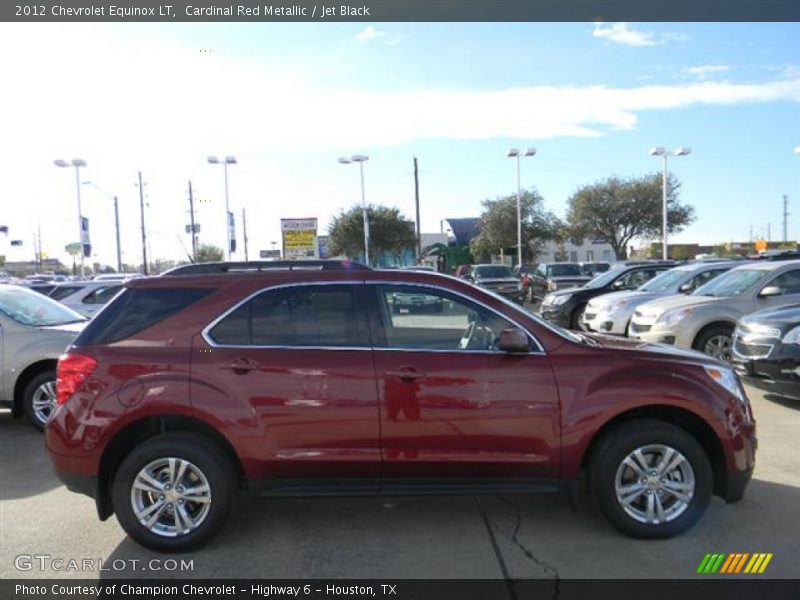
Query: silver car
34, 332
705, 320
86, 297
612, 313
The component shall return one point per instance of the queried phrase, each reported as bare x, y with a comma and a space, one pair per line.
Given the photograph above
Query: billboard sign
85, 240
232, 231
299, 239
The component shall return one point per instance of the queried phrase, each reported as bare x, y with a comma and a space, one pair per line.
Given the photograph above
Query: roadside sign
299, 238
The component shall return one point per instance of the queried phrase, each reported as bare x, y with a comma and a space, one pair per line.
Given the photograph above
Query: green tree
619, 210
498, 226
389, 231
208, 253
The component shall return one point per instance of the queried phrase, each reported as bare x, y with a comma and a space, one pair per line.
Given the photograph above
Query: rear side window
101, 295
300, 316
135, 310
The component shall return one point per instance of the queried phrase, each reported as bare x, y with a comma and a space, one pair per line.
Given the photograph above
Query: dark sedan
565, 307
766, 350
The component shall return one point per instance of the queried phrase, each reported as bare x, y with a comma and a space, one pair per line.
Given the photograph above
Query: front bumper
657, 333
556, 314
603, 322
781, 377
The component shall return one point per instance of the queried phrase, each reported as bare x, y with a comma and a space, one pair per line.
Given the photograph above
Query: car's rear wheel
717, 342
173, 493
39, 399
650, 479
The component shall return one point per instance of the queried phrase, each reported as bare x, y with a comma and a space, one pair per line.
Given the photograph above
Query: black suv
565, 307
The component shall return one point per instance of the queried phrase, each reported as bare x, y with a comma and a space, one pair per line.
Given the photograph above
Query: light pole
514, 153
228, 160
77, 163
361, 159
116, 220
662, 152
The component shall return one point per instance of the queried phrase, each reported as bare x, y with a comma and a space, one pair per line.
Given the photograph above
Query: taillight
72, 371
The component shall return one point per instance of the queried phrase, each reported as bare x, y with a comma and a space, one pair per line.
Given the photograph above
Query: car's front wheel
717, 342
39, 399
173, 492
650, 478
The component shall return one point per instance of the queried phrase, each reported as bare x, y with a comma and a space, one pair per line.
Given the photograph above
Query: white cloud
369, 34
622, 33
706, 71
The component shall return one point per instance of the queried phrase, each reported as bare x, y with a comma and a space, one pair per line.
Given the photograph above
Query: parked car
612, 313
189, 387
766, 350
498, 279
566, 307
590, 269
85, 297
415, 303
34, 332
705, 320
550, 277
462, 271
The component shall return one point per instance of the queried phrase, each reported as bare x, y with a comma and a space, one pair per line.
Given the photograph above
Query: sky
288, 99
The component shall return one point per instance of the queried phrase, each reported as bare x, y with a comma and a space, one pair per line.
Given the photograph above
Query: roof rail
211, 268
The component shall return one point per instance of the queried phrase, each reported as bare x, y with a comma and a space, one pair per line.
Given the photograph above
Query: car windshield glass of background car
565, 270
33, 309
662, 282
733, 283
493, 271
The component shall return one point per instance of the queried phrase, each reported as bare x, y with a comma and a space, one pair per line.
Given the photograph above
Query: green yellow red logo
738, 562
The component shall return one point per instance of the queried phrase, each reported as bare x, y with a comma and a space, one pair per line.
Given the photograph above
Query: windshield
732, 283
493, 271
564, 270
604, 279
664, 281
32, 309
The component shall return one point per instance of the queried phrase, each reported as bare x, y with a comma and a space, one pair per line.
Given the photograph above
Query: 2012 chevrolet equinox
305, 381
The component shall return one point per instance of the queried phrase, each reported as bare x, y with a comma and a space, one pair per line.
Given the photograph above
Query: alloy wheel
654, 484
171, 497
44, 401
719, 346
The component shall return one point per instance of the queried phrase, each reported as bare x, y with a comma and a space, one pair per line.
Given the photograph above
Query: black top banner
400, 10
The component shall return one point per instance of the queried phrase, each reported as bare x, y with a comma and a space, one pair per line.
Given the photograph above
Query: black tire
575, 317
616, 445
701, 343
31, 390
208, 457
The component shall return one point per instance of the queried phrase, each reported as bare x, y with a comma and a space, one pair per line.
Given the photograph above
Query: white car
86, 297
612, 313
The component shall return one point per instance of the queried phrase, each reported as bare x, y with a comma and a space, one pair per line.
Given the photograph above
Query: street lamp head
657, 151
231, 160
530, 152
78, 162
61, 163
213, 160
682, 151
344, 160
513, 153
359, 158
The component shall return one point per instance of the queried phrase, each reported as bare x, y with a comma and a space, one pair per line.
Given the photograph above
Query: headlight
558, 300
793, 337
615, 306
671, 317
726, 378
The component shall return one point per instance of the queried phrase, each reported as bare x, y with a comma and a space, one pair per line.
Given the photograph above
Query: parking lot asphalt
521, 536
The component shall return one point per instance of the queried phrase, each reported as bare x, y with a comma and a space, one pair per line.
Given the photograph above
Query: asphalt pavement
517, 536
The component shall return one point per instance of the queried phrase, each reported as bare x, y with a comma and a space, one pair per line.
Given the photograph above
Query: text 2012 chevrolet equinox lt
190, 387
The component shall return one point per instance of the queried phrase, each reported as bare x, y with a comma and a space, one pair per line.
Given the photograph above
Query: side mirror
618, 284
770, 290
513, 340
686, 288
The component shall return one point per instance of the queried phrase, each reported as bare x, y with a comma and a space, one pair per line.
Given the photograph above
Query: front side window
664, 281
62, 291
299, 316
433, 319
101, 295
789, 282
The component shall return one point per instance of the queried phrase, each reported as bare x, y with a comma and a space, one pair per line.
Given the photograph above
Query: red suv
302, 380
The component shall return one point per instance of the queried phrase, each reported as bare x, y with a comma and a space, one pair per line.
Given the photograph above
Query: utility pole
416, 199
192, 226
144, 231
244, 225
769, 233
116, 223
785, 217
39, 237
